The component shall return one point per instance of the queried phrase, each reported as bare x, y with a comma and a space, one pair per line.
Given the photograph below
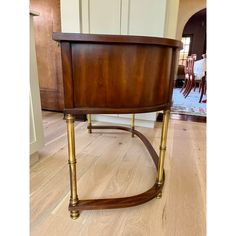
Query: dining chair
185, 76
189, 75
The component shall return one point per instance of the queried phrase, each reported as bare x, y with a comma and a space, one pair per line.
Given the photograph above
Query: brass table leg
89, 123
132, 124
164, 131
74, 214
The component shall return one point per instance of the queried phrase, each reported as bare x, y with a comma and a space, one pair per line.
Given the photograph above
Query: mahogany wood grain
113, 203
67, 74
120, 76
117, 73
173, 73
107, 110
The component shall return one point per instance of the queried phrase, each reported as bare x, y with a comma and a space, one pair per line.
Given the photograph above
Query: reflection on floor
189, 105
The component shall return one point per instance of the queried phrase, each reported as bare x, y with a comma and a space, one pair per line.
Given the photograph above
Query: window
186, 40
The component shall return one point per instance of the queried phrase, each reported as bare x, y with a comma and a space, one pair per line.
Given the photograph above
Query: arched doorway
194, 42
194, 37
186, 10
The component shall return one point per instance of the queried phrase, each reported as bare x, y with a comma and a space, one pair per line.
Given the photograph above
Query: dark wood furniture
189, 82
202, 87
48, 53
117, 74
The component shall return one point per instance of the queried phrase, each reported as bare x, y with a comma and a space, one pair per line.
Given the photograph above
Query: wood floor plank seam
63, 136
41, 189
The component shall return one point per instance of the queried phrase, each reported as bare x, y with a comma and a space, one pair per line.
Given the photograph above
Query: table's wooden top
128, 39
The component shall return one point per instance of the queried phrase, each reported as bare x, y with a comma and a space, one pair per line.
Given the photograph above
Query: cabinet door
48, 53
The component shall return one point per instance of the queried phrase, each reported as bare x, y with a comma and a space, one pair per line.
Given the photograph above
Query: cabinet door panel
146, 17
101, 16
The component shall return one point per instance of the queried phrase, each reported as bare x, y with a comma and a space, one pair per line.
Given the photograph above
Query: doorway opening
189, 95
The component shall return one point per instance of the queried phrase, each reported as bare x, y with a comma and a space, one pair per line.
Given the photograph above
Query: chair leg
205, 88
74, 214
132, 125
190, 88
184, 85
166, 116
89, 124
200, 86
187, 87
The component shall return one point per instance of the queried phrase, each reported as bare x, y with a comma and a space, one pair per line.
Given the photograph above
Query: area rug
189, 105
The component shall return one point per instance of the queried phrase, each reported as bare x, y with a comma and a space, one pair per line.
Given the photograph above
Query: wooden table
116, 74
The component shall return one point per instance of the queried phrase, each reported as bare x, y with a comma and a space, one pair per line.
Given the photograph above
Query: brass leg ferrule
164, 131
89, 124
72, 165
132, 124
159, 195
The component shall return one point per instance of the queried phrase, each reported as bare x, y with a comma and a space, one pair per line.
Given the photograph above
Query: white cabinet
130, 17
36, 124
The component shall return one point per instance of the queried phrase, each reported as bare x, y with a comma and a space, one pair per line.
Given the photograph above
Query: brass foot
74, 215
159, 195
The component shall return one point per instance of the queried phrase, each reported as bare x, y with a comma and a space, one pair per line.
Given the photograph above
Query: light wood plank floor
112, 164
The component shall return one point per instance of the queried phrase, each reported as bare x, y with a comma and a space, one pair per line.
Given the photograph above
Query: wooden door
48, 53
